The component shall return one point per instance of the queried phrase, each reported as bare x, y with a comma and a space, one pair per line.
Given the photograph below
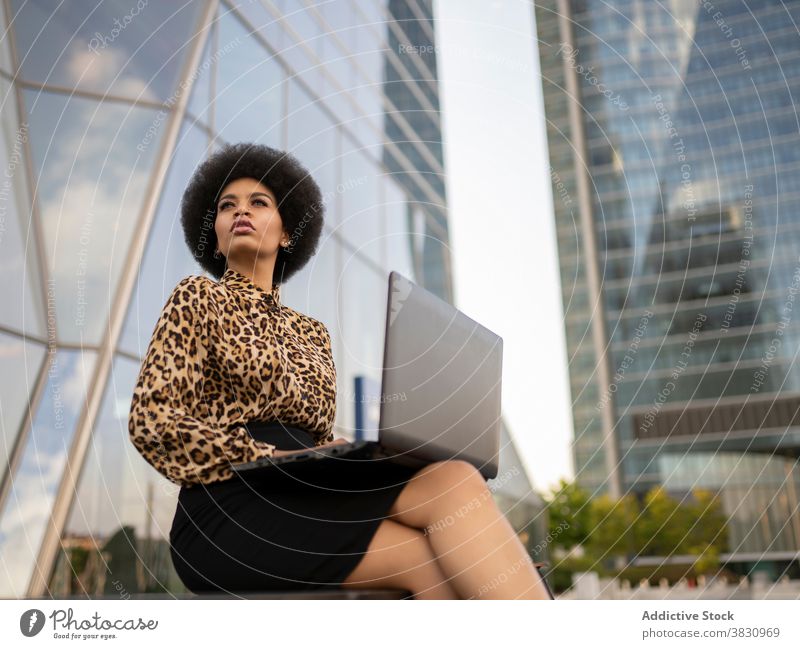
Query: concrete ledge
333, 593
330, 593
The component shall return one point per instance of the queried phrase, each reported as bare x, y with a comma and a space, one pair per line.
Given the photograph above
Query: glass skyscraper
674, 148
106, 114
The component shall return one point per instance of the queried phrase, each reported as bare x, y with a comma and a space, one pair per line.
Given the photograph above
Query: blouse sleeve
168, 421
327, 353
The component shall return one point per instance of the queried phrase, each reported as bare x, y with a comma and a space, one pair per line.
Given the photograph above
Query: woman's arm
326, 436
169, 423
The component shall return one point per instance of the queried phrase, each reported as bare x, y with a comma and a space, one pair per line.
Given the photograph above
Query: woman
232, 374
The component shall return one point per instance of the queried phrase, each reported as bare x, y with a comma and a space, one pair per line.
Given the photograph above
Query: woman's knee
456, 475
439, 491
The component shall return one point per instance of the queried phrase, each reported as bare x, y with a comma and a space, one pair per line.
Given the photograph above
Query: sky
501, 217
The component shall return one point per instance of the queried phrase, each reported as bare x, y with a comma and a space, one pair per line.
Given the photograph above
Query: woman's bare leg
401, 557
473, 542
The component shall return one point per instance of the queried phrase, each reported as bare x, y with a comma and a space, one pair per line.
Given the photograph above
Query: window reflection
313, 138
337, 53
17, 243
398, 236
431, 254
313, 289
302, 43
29, 503
116, 538
140, 61
92, 181
22, 362
199, 106
359, 329
367, 50
5, 48
759, 494
167, 259
709, 384
249, 89
362, 212
260, 20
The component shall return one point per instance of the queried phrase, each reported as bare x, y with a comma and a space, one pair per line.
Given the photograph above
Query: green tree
608, 530
612, 527
697, 527
709, 523
662, 524
568, 504
707, 561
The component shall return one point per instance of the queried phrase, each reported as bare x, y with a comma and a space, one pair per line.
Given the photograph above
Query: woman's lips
243, 229
241, 222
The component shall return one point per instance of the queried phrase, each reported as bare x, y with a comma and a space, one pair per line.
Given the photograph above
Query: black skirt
300, 529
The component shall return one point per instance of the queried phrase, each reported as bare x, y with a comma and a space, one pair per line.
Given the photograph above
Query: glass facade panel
337, 52
22, 362
314, 139
522, 506
116, 538
302, 43
362, 223
121, 48
91, 179
360, 327
201, 102
28, 506
18, 253
262, 19
367, 51
313, 289
5, 48
398, 238
328, 68
759, 494
167, 260
250, 88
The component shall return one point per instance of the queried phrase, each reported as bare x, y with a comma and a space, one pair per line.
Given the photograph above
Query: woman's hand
338, 440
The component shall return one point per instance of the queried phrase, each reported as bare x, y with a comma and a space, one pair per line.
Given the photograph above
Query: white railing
588, 585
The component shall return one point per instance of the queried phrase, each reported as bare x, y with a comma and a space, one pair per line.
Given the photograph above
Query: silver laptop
440, 389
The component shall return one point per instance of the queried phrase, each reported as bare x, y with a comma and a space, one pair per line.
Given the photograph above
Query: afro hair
298, 196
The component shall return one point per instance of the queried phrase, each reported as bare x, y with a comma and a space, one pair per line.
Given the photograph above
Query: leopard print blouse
224, 353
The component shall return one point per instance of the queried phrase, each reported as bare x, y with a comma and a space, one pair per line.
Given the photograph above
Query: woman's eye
227, 204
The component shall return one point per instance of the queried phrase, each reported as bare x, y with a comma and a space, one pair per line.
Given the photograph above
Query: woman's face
248, 224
